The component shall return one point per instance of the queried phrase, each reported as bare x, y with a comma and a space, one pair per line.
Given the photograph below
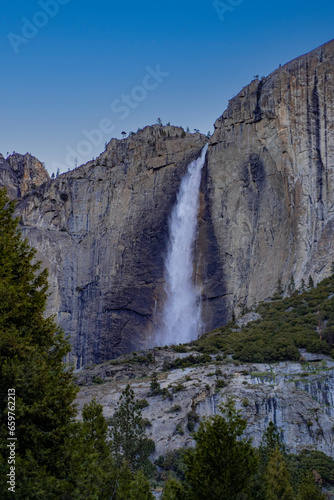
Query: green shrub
174, 409
179, 429
142, 403
220, 384
178, 387
97, 380
191, 360
149, 358
192, 419
179, 348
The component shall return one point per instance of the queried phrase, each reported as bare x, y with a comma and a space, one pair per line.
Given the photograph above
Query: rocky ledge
262, 392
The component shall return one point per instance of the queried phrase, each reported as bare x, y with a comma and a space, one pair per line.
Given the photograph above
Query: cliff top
246, 105
21, 173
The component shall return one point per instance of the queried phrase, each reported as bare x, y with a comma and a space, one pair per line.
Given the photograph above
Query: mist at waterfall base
180, 320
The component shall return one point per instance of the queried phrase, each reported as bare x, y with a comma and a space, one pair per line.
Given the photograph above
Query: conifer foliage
129, 441
220, 451
278, 478
56, 456
31, 351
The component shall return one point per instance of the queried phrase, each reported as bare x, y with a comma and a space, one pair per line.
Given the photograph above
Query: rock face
101, 230
262, 392
266, 214
268, 191
21, 173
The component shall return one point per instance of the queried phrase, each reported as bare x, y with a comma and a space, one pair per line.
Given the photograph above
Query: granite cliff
267, 212
268, 191
262, 392
101, 230
21, 173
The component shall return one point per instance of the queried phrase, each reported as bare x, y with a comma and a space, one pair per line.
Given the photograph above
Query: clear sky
70, 67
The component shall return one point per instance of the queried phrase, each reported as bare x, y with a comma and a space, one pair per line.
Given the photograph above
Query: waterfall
181, 315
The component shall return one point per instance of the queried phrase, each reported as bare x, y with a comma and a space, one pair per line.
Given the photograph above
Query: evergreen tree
154, 385
279, 289
222, 463
90, 468
309, 490
129, 442
270, 441
310, 282
31, 352
137, 489
174, 490
278, 481
292, 286
56, 456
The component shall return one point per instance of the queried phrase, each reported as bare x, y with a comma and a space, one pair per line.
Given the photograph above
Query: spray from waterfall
181, 315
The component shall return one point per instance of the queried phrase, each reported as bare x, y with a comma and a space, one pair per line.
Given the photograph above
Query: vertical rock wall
102, 232
269, 189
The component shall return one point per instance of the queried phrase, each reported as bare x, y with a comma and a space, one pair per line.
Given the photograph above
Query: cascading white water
181, 315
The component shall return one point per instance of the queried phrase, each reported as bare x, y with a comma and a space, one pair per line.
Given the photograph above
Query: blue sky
68, 65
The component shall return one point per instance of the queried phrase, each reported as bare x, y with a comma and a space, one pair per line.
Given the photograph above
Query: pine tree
278, 480
222, 463
90, 468
174, 490
137, 489
310, 282
279, 289
31, 352
270, 441
154, 385
309, 490
56, 456
129, 442
292, 286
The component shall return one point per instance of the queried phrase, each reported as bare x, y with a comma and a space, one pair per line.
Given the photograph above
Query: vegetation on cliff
305, 319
